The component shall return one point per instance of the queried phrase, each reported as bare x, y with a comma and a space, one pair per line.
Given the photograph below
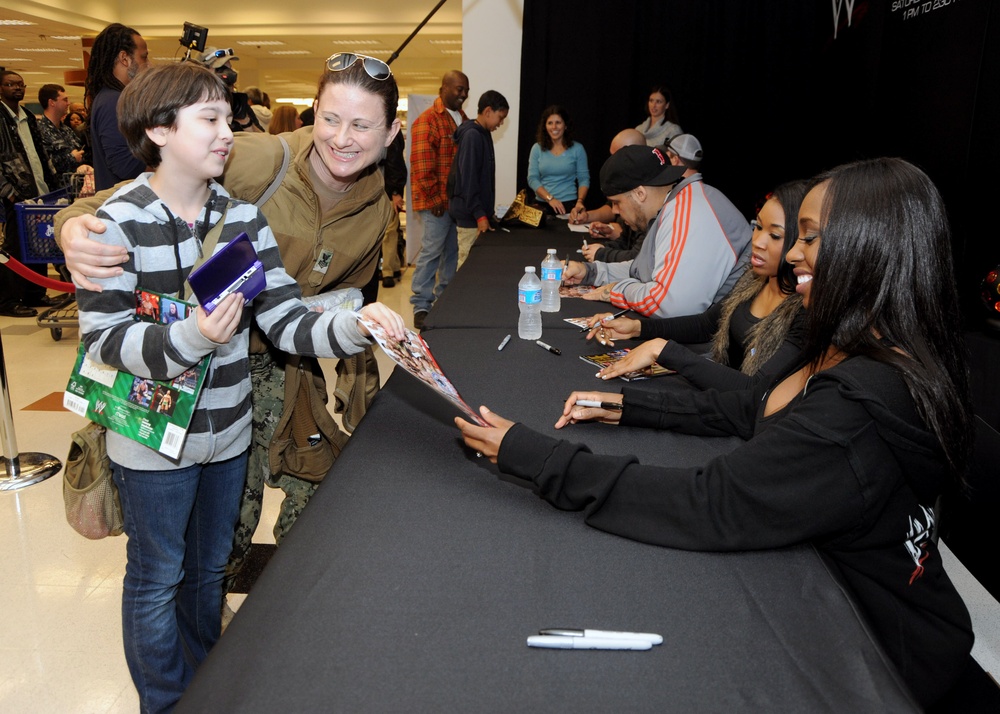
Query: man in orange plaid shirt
432, 150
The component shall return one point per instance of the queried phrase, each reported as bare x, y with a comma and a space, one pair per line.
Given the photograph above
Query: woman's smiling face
350, 133
556, 127
804, 254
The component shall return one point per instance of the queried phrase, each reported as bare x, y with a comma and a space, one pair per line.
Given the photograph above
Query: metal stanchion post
18, 470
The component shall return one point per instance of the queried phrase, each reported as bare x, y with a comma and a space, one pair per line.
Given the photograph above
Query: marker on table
610, 406
587, 643
650, 637
605, 320
550, 348
503, 343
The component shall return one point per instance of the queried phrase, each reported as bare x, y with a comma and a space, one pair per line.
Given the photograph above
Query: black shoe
418, 319
388, 282
46, 301
397, 274
16, 309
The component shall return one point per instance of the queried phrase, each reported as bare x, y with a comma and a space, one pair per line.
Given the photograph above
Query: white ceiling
315, 28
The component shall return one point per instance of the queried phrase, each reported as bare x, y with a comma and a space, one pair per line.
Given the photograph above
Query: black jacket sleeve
793, 482
687, 328
395, 167
624, 249
706, 374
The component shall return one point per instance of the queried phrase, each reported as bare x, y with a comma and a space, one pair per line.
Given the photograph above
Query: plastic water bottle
529, 298
552, 272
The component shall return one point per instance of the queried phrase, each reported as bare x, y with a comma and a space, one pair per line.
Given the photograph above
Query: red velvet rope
28, 274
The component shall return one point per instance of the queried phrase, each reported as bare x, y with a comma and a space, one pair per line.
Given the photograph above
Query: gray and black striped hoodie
162, 249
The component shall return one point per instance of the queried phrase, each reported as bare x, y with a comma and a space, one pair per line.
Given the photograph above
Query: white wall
491, 57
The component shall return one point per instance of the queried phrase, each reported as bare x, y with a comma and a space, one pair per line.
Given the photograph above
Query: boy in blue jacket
472, 181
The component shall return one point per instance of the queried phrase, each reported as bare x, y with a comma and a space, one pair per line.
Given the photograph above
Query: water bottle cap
529, 268
551, 251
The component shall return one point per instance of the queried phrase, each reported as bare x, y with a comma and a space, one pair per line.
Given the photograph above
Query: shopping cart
38, 245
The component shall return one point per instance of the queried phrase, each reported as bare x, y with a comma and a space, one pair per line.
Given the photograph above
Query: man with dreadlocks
118, 55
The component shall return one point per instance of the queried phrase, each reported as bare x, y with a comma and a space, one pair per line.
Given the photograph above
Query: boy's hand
221, 324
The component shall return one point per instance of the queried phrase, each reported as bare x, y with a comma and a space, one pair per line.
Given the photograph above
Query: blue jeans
438, 259
180, 526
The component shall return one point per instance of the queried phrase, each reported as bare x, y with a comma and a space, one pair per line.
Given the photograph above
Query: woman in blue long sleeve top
557, 165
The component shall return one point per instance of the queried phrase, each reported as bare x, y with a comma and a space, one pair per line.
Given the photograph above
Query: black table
414, 576
483, 292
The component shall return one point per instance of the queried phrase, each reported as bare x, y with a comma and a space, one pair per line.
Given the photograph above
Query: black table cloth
415, 575
483, 292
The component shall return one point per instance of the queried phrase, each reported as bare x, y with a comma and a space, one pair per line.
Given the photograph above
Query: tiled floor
60, 642
60, 594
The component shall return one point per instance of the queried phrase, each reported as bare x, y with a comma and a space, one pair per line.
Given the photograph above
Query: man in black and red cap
696, 239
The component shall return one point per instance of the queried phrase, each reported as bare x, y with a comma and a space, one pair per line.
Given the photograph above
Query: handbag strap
207, 248
285, 160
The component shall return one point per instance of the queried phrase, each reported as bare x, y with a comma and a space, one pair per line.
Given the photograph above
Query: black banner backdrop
782, 89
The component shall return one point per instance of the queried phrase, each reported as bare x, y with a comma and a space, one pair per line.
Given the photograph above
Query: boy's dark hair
48, 92
494, 100
155, 96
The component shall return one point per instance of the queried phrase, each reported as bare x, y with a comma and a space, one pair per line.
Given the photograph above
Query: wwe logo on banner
837, 4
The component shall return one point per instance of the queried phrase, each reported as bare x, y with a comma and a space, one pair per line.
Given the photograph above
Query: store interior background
775, 90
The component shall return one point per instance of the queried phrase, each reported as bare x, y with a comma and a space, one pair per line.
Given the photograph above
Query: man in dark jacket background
25, 172
472, 182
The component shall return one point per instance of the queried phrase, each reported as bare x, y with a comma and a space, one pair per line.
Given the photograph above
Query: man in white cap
696, 239
220, 61
685, 150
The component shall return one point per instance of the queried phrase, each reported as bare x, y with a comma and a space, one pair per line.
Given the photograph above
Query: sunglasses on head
376, 68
